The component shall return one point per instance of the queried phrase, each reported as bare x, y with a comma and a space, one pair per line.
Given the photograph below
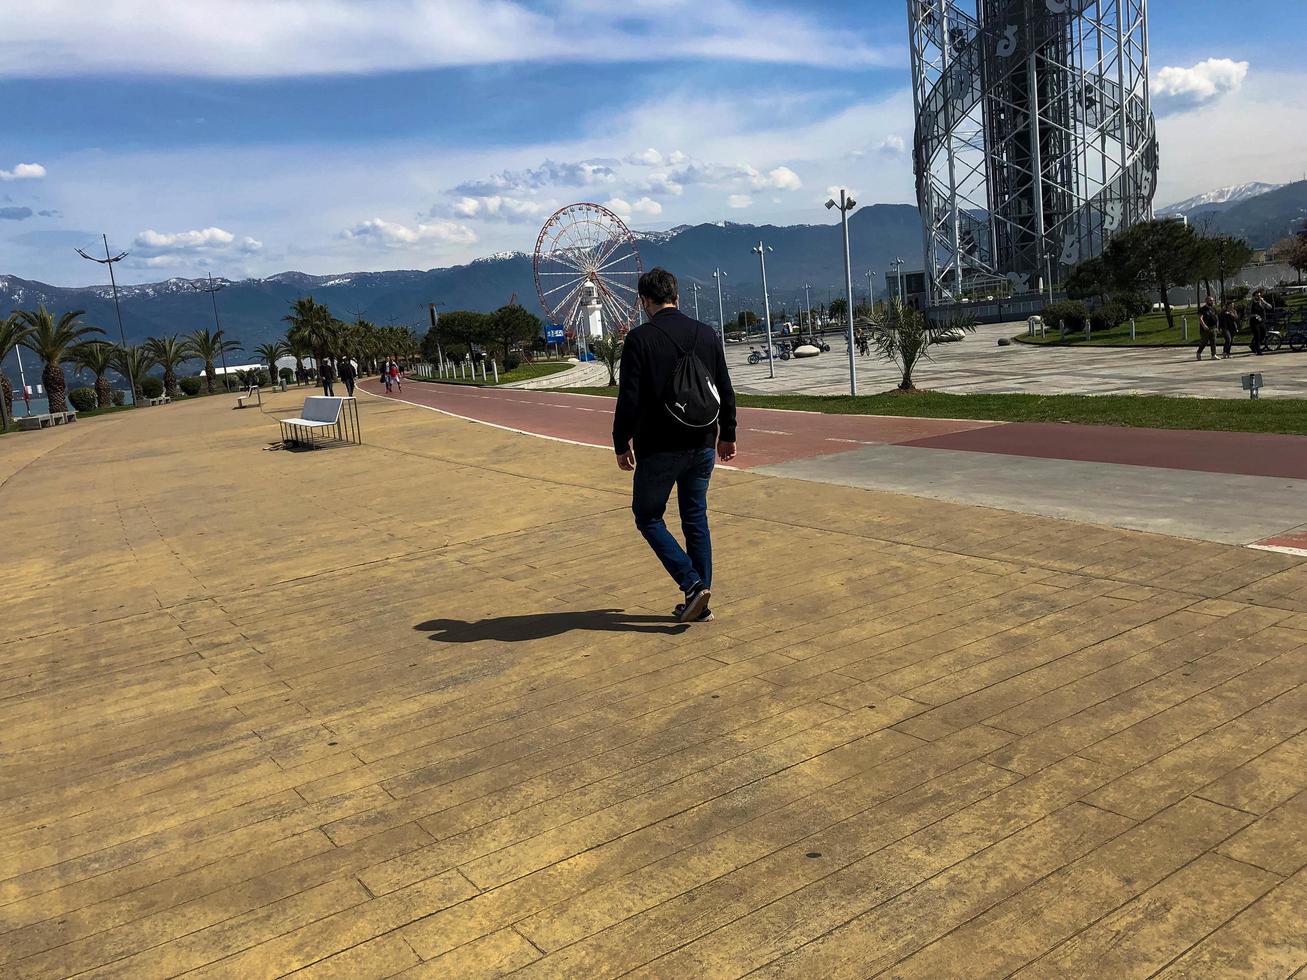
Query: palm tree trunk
210, 377
7, 393
103, 393
55, 387
170, 382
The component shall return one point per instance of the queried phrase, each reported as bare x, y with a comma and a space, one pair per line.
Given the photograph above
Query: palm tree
298, 350
52, 340
99, 358
271, 352
12, 333
313, 326
169, 352
209, 346
135, 363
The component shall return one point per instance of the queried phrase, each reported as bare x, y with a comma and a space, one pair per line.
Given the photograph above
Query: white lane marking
770, 432
854, 442
1299, 552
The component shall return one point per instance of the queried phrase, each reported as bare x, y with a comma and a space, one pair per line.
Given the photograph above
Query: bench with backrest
253, 392
323, 417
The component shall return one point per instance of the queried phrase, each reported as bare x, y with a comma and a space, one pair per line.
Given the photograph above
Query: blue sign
554, 333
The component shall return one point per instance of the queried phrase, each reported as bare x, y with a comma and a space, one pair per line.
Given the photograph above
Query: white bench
323, 418
28, 422
246, 396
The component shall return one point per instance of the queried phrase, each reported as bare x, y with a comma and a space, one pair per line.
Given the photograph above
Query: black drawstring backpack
690, 395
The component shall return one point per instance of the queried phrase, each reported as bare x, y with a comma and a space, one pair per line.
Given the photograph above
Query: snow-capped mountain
1218, 200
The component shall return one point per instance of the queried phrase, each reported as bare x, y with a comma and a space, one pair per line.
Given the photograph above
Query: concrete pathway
978, 364
1236, 488
416, 708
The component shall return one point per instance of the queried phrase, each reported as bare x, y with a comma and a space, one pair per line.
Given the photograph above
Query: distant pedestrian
674, 405
396, 376
327, 375
385, 376
1229, 326
1259, 311
1209, 321
346, 371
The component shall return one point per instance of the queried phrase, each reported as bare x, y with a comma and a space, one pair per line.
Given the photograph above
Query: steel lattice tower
1034, 140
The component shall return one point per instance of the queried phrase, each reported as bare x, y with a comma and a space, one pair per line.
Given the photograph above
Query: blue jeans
689, 471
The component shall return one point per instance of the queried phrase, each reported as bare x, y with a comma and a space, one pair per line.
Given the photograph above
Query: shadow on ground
538, 626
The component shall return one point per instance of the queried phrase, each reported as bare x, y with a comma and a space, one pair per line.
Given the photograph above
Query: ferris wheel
587, 268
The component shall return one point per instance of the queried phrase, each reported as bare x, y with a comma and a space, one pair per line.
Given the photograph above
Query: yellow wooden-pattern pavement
416, 707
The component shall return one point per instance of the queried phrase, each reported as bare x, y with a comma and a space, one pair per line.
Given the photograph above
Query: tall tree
169, 353
12, 333
134, 362
99, 358
312, 324
52, 341
209, 346
511, 326
464, 327
271, 352
1157, 255
1089, 278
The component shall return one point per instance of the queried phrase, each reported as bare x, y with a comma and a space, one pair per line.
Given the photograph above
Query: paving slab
418, 705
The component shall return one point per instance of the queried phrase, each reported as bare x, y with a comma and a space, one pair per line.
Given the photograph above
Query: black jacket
648, 360
346, 371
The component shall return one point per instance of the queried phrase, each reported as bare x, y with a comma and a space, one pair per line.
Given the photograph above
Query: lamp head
830, 204
850, 204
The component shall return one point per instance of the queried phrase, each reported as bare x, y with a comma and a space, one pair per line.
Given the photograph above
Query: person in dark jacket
1259, 310
345, 368
663, 451
1229, 326
1209, 321
327, 375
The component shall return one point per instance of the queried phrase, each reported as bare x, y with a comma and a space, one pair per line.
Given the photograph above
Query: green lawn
523, 372
1285, 415
1150, 331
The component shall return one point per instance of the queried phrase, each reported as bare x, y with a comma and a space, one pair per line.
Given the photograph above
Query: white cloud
247, 38
647, 205
1179, 89
676, 158
24, 171
583, 173
389, 234
892, 145
182, 241
497, 206
662, 184
645, 158
618, 206
782, 179
739, 201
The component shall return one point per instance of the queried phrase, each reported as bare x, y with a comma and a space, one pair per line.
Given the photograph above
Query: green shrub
1107, 316
151, 387
82, 399
118, 397
190, 386
512, 362
1134, 304
1238, 293
1070, 313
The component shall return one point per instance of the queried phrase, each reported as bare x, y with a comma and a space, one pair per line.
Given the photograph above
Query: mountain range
251, 309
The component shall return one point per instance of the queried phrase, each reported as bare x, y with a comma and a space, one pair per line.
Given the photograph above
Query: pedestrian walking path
1232, 487
416, 708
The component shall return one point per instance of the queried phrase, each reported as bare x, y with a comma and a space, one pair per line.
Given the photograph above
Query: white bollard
1185, 320
495, 367
1132, 328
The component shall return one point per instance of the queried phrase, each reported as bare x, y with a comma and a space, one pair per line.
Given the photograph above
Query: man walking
1209, 321
1258, 312
327, 375
345, 369
677, 437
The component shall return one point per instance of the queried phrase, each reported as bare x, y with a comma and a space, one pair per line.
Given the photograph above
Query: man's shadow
538, 626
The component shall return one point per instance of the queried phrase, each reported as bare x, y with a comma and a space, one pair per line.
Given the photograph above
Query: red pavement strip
1240, 453
767, 436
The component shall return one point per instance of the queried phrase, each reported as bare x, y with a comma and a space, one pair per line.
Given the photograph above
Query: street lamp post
695, 287
871, 291
807, 298
721, 317
212, 290
762, 251
122, 335
900, 263
847, 204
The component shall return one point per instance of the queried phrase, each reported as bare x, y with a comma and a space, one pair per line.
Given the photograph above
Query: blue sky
246, 138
